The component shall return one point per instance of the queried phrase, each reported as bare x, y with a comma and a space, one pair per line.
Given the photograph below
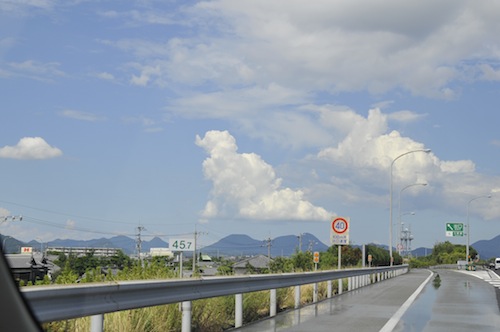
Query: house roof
259, 262
26, 261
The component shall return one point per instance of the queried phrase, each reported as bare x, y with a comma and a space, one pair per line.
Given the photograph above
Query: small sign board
176, 244
26, 250
454, 229
316, 257
339, 231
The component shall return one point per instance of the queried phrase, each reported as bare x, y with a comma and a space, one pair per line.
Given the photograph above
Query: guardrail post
329, 289
297, 296
341, 285
186, 316
272, 303
97, 323
349, 283
238, 310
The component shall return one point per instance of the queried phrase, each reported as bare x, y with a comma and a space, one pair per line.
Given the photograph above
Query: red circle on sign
339, 221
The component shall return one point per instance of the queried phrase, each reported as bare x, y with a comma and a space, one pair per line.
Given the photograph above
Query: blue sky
260, 117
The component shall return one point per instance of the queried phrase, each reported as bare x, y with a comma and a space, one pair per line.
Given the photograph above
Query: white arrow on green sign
454, 229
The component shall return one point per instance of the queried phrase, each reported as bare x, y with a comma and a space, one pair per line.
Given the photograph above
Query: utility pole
300, 241
311, 245
5, 219
194, 251
196, 233
269, 245
138, 242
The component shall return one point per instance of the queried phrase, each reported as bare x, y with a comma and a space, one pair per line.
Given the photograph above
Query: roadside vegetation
444, 253
214, 314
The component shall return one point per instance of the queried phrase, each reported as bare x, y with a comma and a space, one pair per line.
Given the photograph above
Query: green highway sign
454, 229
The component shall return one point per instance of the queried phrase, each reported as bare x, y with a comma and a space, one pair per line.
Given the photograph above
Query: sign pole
180, 265
340, 256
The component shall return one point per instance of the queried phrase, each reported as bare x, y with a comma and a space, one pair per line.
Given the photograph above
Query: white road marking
391, 323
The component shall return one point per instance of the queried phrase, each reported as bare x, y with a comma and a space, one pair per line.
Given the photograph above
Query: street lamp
468, 226
390, 195
41, 245
399, 208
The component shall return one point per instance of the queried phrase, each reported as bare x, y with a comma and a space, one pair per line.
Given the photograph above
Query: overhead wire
86, 217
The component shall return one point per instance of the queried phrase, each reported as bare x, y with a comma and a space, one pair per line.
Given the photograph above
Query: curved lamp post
390, 195
468, 226
399, 208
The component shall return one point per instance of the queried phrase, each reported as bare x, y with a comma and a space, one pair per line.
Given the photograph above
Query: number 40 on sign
339, 231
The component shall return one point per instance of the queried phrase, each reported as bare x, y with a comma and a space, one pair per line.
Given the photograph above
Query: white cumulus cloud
79, 115
245, 186
30, 148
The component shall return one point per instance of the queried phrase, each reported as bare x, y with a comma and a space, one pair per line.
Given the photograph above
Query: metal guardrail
52, 303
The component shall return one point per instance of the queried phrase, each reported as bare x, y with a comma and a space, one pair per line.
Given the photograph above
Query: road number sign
339, 231
454, 229
181, 244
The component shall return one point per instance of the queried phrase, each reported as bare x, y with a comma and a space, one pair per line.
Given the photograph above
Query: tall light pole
468, 226
390, 195
399, 207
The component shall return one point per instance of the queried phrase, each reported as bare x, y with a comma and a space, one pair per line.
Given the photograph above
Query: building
162, 252
30, 267
252, 265
83, 251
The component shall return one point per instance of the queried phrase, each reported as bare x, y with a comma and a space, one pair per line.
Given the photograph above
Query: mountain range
231, 245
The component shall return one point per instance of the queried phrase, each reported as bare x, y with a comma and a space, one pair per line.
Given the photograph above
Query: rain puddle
419, 313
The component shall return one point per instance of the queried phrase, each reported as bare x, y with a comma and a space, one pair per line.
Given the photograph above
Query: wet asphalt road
460, 301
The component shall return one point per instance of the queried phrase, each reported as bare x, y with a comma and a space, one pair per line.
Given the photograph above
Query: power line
86, 230
84, 217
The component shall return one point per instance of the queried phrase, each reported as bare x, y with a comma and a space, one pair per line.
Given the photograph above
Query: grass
213, 314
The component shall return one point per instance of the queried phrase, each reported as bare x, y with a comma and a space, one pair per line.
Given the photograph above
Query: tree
380, 256
448, 253
281, 265
302, 261
67, 275
350, 256
120, 260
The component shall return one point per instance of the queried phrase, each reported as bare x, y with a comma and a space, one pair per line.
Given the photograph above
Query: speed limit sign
339, 231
